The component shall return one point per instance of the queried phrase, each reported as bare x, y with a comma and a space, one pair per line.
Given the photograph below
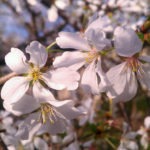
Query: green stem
49, 47
110, 143
111, 106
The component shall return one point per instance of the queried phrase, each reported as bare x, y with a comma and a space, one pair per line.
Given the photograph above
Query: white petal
16, 61
132, 145
127, 42
62, 78
145, 58
40, 144
41, 93
38, 53
14, 89
123, 83
104, 80
98, 38
69, 111
23, 106
102, 23
89, 80
57, 103
147, 122
58, 127
144, 76
72, 60
72, 40
145, 141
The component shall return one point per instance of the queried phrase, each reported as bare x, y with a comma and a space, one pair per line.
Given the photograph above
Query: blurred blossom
62, 4
123, 77
89, 46
143, 131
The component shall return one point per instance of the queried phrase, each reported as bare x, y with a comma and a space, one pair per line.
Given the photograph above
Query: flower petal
16, 61
38, 53
62, 78
40, 144
89, 80
66, 108
147, 122
58, 126
72, 40
98, 38
14, 89
72, 60
126, 42
70, 112
144, 75
123, 83
101, 23
145, 58
23, 106
41, 93
104, 80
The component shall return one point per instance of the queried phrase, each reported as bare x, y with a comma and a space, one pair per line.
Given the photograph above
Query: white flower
123, 77
8, 125
143, 131
87, 106
127, 141
49, 115
90, 46
34, 73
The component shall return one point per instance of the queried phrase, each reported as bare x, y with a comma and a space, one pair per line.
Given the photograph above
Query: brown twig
7, 77
124, 113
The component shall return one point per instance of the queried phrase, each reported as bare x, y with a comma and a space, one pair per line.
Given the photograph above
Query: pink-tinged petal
40, 144
123, 83
145, 58
70, 112
14, 89
62, 78
147, 122
57, 103
66, 108
38, 53
144, 76
89, 80
16, 61
104, 82
126, 41
72, 60
72, 41
23, 106
58, 126
41, 93
101, 23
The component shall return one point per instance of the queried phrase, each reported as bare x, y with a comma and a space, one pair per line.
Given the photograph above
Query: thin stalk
49, 47
7, 77
110, 143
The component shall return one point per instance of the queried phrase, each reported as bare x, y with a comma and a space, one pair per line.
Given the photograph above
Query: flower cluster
31, 93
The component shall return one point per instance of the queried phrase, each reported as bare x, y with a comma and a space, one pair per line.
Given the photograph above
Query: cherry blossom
48, 115
90, 45
123, 77
33, 73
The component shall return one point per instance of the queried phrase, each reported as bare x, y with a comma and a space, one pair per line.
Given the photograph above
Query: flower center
91, 56
134, 64
35, 74
47, 113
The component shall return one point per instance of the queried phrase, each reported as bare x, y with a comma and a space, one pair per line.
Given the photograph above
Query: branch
7, 77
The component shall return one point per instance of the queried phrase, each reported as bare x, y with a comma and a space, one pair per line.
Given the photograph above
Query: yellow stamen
35, 74
91, 56
47, 113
